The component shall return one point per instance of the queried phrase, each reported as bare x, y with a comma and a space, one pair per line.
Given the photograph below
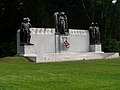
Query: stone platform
59, 57
49, 47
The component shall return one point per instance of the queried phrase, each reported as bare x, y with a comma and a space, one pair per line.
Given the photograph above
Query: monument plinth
47, 48
59, 43
96, 48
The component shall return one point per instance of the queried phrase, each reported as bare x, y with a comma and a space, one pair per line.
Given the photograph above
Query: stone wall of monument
47, 47
44, 42
79, 40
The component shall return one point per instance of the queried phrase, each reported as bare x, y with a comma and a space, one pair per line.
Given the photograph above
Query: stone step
58, 57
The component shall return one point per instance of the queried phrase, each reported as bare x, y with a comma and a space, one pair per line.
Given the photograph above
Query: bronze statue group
25, 32
61, 23
61, 28
94, 34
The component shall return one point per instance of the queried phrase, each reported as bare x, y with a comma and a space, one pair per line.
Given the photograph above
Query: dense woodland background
80, 14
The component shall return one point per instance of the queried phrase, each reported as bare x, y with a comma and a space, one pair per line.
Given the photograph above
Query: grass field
17, 73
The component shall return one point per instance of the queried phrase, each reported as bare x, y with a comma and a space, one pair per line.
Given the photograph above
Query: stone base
26, 50
57, 43
96, 48
54, 57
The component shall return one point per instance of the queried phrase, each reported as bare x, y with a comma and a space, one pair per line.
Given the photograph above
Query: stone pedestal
51, 47
26, 50
57, 43
96, 48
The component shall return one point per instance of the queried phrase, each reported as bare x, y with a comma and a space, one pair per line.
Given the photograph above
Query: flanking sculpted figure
25, 32
97, 33
61, 23
94, 34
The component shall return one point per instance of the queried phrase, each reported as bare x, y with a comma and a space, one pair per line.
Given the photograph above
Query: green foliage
7, 49
17, 74
98, 2
111, 45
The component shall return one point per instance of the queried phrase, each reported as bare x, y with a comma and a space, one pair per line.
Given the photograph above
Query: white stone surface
20, 49
79, 41
58, 57
57, 44
43, 40
26, 50
95, 48
49, 47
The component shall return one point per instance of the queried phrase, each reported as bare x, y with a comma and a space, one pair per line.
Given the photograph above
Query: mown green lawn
17, 73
